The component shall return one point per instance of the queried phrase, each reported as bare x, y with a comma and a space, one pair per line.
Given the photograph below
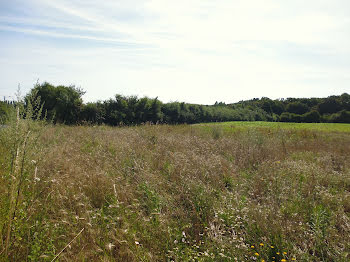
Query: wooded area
64, 104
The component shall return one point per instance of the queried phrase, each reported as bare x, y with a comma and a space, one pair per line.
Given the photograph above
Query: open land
237, 191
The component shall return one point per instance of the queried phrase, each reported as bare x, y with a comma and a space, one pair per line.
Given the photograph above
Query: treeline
64, 104
334, 109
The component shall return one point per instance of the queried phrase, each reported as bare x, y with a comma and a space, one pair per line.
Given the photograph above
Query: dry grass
177, 193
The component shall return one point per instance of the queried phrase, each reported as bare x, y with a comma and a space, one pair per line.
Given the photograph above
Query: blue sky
196, 51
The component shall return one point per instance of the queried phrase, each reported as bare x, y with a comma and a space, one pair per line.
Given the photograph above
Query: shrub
340, 117
311, 117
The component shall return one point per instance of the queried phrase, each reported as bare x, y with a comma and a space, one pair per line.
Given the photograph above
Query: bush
4, 112
290, 117
311, 117
61, 103
340, 117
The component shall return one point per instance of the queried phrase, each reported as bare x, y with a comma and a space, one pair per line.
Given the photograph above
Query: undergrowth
172, 193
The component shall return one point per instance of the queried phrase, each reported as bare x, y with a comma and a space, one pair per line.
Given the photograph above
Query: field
212, 192
326, 127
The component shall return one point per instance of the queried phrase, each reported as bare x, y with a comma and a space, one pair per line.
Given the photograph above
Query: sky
197, 51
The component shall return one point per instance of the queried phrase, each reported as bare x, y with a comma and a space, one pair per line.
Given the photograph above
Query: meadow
237, 191
327, 127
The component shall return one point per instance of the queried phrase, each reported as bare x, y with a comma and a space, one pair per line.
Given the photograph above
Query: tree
297, 108
345, 101
341, 117
4, 111
290, 117
62, 103
92, 113
329, 106
311, 117
155, 113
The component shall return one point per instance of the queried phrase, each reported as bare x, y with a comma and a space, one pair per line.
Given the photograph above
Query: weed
174, 193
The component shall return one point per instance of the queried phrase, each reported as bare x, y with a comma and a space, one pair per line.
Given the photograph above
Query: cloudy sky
198, 51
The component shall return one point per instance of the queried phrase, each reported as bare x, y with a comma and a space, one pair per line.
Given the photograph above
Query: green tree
4, 111
297, 108
62, 104
341, 117
311, 117
92, 113
345, 101
329, 106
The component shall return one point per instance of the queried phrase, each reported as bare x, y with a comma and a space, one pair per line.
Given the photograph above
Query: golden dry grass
178, 193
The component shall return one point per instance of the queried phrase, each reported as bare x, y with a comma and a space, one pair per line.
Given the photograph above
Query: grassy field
266, 192
327, 127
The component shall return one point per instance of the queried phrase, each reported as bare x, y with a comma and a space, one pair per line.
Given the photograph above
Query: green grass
328, 127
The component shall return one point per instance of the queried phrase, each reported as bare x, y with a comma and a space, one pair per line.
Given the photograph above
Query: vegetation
233, 191
229, 127
173, 193
5, 109
64, 105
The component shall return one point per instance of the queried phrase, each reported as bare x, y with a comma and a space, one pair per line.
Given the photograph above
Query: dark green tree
329, 106
297, 108
61, 104
311, 117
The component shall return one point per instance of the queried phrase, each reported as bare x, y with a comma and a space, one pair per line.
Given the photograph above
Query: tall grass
177, 193
18, 138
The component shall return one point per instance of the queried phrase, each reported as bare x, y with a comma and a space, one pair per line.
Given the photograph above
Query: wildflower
293, 259
285, 253
252, 246
283, 260
110, 246
278, 253
262, 260
272, 247
261, 244
257, 254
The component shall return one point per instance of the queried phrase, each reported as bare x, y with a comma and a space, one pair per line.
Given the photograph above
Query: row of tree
330, 109
64, 104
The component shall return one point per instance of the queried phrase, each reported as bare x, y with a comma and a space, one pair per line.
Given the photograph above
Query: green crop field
329, 127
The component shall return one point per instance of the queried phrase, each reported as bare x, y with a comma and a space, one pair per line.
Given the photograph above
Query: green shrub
311, 117
340, 117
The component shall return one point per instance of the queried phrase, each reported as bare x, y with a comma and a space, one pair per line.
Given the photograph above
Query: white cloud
197, 51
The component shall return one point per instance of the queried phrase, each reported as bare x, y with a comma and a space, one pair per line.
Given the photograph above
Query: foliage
5, 111
340, 117
17, 175
61, 104
297, 108
311, 117
64, 104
